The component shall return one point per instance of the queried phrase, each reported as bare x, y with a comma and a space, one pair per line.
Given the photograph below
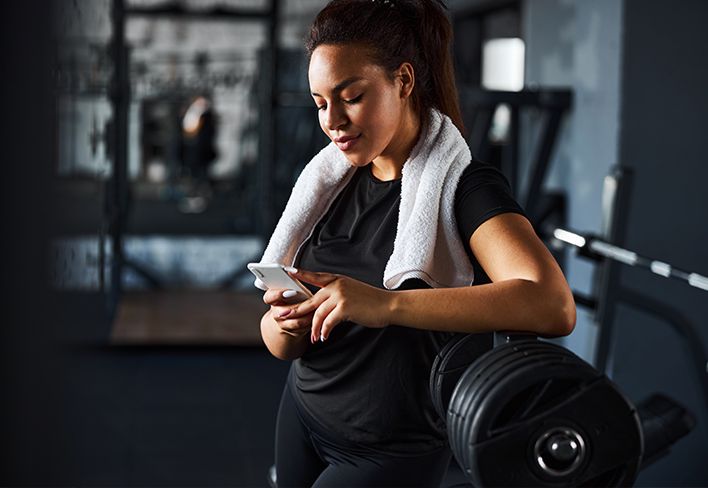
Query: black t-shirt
370, 386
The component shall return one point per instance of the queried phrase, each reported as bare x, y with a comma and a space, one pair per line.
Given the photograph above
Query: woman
389, 225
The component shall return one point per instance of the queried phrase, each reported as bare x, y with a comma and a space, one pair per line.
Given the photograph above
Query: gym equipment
532, 413
547, 211
478, 108
451, 362
608, 291
118, 194
593, 247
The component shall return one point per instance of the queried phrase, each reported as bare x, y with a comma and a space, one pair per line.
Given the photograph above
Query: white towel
427, 243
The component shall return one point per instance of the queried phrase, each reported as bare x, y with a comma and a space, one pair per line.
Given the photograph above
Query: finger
272, 296
296, 326
311, 277
310, 305
295, 333
320, 315
280, 313
276, 296
333, 319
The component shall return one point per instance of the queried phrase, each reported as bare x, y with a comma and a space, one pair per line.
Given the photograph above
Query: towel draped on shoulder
427, 244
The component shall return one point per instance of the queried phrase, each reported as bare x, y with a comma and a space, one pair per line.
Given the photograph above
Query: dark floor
82, 412
178, 416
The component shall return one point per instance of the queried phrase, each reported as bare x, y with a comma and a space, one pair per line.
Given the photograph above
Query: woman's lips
346, 143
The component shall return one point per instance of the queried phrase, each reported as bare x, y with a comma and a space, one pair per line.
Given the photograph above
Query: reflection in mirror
167, 239
194, 109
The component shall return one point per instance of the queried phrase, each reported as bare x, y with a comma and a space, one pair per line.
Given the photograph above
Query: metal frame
608, 291
480, 105
615, 211
117, 200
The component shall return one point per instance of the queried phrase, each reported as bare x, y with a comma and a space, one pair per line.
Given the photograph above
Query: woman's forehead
333, 65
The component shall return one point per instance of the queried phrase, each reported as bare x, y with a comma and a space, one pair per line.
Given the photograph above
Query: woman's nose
334, 118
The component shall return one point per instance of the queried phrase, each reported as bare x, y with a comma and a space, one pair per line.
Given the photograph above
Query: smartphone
274, 276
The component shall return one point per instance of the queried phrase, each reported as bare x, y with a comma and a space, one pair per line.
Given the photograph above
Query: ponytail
398, 31
436, 46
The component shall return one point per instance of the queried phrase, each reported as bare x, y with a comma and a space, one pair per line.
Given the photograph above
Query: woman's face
360, 108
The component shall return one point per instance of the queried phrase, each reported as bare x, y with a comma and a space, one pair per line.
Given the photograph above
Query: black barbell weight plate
474, 378
437, 368
518, 368
504, 383
556, 364
458, 400
612, 461
513, 443
522, 366
540, 392
487, 361
485, 364
451, 362
513, 358
475, 374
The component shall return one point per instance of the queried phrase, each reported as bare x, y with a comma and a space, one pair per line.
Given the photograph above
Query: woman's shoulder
478, 173
482, 192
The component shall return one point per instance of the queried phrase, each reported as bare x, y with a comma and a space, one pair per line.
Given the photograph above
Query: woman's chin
357, 162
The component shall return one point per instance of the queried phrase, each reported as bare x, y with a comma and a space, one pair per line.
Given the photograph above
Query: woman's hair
398, 31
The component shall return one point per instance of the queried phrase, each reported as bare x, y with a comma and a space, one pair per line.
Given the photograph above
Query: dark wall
28, 388
663, 137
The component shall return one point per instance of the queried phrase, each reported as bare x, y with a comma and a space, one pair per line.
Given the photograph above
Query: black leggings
307, 456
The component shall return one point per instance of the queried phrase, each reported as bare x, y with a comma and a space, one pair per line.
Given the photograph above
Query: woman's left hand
339, 299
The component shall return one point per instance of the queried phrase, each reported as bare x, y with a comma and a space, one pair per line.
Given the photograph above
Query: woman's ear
406, 74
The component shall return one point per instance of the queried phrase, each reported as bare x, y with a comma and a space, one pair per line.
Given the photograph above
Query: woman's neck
389, 165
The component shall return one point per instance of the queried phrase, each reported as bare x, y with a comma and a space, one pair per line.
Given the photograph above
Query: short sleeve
482, 193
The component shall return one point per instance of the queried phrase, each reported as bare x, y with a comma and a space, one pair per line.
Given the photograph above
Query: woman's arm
528, 292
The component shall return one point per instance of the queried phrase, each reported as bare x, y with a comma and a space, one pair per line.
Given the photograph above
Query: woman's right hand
280, 310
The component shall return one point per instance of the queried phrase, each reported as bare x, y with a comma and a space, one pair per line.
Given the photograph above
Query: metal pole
268, 132
510, 162
594, 246
542, 160
120, 96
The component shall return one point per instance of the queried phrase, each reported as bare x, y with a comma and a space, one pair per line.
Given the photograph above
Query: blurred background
149, 147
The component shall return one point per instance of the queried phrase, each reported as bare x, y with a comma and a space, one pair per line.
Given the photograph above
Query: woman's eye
321, 107
353, 100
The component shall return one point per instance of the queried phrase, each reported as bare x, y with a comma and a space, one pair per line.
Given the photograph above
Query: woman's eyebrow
341, 85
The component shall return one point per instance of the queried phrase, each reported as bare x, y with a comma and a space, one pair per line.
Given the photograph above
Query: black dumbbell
531, 413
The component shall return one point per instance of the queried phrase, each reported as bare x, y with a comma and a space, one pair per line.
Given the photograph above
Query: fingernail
290, 269
285, 313
289, 293
322, 338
